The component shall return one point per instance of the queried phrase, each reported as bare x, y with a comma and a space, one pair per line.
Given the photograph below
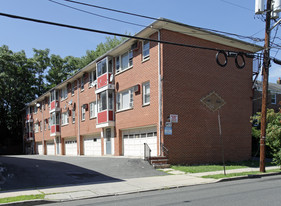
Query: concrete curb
227, 179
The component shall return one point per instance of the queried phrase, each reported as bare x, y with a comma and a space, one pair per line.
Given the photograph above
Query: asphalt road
259, 191
34, 171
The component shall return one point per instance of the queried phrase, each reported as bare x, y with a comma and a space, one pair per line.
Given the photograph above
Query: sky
224, 15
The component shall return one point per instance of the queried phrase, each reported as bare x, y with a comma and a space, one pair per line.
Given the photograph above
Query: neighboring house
127, 99
274, 96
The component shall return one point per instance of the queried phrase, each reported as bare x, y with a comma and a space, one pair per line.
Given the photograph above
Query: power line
102, 16
237, 5
164, 20
223, 52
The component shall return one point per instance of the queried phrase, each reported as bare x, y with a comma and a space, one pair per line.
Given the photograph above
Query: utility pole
265, 73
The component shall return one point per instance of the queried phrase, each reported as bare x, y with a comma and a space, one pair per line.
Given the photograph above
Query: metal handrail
147, 152
165, 150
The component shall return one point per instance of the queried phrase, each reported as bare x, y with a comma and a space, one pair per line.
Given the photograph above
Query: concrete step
161, 166
157, 157
159, 161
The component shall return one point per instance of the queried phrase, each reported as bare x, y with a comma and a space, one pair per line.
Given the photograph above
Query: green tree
101, 49
41, 62
273, 133
17, 80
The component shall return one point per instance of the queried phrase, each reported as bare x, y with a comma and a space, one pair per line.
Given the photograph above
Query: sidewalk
127, 186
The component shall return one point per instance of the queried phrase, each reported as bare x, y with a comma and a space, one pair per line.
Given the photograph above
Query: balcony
55, 130
104, 75
29, 118
55, 106
105, 117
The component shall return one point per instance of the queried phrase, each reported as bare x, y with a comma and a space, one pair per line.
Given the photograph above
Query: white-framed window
145, 49
73, 116
49, 123
101, 66
273, 98
92, 78
125, 99
72, 88
102, 101
64, 118
124, 61
36, 127
63, 93
146, 93
83, 113
93, 110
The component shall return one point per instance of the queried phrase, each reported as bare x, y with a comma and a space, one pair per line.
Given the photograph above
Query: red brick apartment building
121, 103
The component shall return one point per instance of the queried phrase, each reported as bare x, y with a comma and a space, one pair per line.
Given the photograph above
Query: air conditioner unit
136, 88
85, 107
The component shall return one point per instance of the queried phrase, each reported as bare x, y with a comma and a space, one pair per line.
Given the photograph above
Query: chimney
278, 81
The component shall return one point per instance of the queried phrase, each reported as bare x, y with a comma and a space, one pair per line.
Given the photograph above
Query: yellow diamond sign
213, 101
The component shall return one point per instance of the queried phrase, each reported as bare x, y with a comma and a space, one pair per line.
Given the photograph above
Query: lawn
217, 167
21, 198
219, 176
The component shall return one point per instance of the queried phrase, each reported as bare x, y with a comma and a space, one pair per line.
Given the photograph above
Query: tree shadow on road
25, 173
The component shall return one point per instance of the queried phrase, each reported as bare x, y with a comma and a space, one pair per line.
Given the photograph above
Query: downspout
159, 93
78, 111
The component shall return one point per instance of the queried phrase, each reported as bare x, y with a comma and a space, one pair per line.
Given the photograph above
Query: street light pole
265, 73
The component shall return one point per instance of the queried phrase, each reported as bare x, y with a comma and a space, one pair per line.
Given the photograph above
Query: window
145, 50
125, 100
63, 93
55, 119
64, 118
92, 78
73, 116
124, 61
54, 95
72, 88
146, 93
273, 98
93, 109
83, 112
36, 127
101, 67
102, 101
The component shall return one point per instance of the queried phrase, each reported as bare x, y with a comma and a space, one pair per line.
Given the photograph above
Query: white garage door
50, 148
70, 147
92, 145
39, 148
133, 141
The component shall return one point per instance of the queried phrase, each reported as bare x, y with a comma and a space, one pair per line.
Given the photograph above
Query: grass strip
220, 176
21, 198
211, 168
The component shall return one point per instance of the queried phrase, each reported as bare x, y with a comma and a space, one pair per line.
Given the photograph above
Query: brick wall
191, 74
141, 72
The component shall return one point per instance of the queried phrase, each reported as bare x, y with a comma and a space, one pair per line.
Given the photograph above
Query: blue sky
224, 15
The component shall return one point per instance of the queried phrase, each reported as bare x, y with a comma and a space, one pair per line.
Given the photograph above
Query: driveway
34, 171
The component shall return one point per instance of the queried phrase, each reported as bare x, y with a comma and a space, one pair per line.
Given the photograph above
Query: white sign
174, 118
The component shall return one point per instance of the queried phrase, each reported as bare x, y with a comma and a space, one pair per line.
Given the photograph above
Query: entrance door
108, 140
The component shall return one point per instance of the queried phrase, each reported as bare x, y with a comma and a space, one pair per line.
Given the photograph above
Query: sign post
214, 102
